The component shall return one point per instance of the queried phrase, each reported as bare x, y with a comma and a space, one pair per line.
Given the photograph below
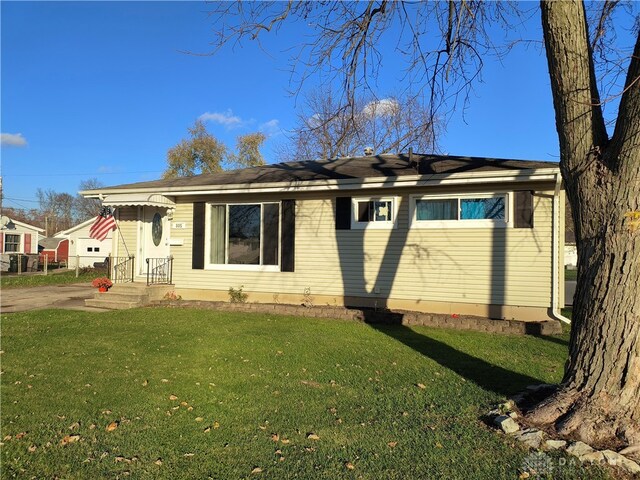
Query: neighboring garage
84, 249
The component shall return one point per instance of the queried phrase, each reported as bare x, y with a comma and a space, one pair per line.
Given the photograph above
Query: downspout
555, 308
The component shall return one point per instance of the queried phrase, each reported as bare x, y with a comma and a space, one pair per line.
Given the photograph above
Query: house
55, 249
16, 238
441, 234
83, 248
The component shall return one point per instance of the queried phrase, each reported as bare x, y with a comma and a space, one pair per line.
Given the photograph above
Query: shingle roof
50, 243
346, 168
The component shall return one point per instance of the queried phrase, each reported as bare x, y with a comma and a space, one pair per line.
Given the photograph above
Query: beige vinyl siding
500, 266
125, 241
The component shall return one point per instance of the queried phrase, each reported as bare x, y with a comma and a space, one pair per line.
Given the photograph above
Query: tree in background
444, 44
204, 153
325, 129
57, 210
248, 150
86, 208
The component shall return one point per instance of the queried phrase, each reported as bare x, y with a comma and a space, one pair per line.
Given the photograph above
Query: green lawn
570, 274
52, 278
255, 387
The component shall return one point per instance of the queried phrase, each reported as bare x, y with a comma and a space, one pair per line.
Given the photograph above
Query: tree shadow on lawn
484, 374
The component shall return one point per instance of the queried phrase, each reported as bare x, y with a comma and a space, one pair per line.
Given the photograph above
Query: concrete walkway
68, 296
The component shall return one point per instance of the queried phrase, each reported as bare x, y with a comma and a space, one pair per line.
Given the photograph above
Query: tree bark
598, 401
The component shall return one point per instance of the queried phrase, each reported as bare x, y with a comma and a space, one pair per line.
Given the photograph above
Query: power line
77, 174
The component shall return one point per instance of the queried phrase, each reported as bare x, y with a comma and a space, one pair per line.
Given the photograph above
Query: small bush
237, 296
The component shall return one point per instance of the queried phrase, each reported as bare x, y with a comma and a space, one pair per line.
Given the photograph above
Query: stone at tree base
577, 449
530, 437
621, 461
592, 457
555, 444
507, 424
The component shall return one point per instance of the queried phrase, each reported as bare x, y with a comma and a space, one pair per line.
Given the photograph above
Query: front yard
185, 393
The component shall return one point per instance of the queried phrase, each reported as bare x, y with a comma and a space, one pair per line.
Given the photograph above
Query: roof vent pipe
368, 151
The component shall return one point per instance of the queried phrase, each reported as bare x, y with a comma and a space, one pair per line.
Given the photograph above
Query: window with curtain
461, 211
244, 234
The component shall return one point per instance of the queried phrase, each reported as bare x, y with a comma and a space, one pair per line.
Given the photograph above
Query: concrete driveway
69, 296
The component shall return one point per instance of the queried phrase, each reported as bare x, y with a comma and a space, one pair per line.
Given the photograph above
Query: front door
154, 236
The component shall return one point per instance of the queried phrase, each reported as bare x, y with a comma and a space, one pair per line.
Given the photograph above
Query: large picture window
244, 234
461, 211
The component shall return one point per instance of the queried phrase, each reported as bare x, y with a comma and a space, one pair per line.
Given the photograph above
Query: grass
57, 278
258, 385
570, 274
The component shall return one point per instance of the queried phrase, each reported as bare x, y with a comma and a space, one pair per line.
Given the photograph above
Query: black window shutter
343, 213
523, 209
287, 259
197, 259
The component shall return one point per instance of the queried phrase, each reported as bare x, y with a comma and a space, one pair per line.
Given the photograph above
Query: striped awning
138, 199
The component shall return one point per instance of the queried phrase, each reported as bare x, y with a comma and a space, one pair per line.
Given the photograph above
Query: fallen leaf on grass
310, 383
392, 444
275, 437
74, 425
349, 466
421, 386
164, 380
112, 426
21, 435
177, 407
7, 438
285, 441
172, 397
189, 408
32, 448
199, 419
313, 436
439, 445
92, 426
256, 470
105, 412
216, 425
207, 430
145, 383
67, 439
188, 455
158, 461
184, 404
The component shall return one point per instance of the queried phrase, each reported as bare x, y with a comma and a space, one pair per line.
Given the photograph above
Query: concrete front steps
128, 295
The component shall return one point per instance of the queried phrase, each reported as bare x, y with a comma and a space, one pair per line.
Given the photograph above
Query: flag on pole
103, 224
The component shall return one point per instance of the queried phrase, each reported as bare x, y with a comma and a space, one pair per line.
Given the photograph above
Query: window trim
18, 244
376, 225
236, 266
507, 222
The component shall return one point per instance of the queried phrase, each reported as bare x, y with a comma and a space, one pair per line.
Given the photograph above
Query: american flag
103, 224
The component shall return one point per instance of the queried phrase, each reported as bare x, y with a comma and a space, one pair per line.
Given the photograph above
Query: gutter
555, 308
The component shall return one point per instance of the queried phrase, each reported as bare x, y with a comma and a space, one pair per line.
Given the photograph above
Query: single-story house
17, 238
429, 233
83, 248
55, 249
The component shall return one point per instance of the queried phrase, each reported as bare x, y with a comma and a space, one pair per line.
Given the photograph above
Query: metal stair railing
123, 269
160, 271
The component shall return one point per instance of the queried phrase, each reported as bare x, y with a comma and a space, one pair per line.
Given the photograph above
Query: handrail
123, 269
159, 270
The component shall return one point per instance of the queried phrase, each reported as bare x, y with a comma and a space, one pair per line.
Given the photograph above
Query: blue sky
102, 90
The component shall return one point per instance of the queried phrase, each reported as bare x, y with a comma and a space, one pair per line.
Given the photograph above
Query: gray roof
346, 168
50, 243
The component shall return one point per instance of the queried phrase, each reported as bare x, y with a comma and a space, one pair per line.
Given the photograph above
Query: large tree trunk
599, 399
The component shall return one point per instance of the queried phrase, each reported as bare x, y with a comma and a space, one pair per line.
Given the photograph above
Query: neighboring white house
83, 248
17, 237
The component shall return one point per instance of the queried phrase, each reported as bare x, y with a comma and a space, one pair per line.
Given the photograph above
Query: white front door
154, 236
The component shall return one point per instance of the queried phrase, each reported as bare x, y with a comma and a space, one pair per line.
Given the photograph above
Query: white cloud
386, 106
271, 128
12, 140
228, 119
